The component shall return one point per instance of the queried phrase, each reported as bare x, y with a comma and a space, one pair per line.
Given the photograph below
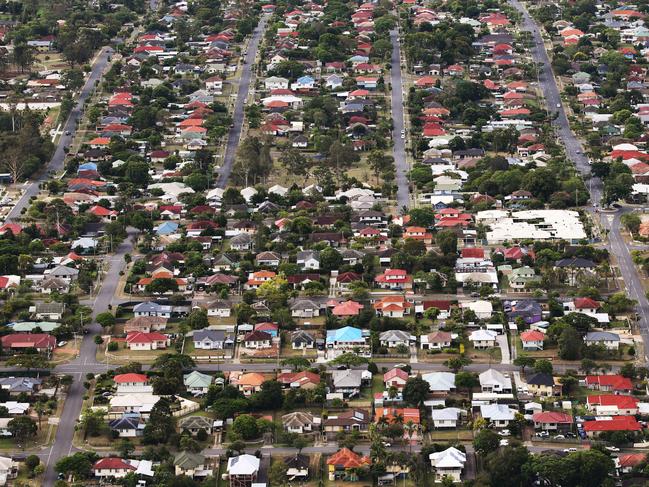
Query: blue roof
345, 334
305, 79
167, 228
87, 166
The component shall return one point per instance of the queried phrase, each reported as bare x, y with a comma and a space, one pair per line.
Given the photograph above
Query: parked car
612, 448
569, 450
559, 437
504, 433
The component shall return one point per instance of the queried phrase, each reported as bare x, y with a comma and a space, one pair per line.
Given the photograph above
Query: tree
126, 448
508, 467
628, 370
466, 380
277, 473
330, 259
524, 361
23, 56
415, 391
570, 344
28, 361
32, 461
79, 465
39, 409
245, 427
543, 366
297, 363
349, 359
295, 163
587, 365
105, 319
15, 163
486, 441
197, 319
631, 222
92, 422
22, 428
446, 240
270, 397
161, 424
457, 363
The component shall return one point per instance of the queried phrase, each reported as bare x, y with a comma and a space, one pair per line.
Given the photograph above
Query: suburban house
610, 340
41, 342
532, 340
395, 377
301, 339
349, 381
495, 382
618, 423
207, 339
612, 405
344, 464
552, 421
257, 339
132, 383
191, 465
500, 415
440, 382
616, 383
393, 338
147, 341
348, 339
349, 420
243, 470
194, 424
540, 384
436, 340
112, 467
301, 422
448, 463
482, 339
250, 383
150, 308
197, 383
445, 417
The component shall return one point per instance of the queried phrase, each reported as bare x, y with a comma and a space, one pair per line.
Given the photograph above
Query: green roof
197, 379
28, 326
188, 461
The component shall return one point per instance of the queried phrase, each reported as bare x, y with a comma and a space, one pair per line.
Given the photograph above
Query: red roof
622, 402
616, 382
551, 417
112, 463
348, 308
473, 253
398, 373
617, 423
532, 336
631, 459
348, 459
28, 340
139, 337
130, 377
586, 303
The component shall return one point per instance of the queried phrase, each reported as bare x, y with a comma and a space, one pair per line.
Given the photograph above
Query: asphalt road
86, 361
56, 162
574, 150
234, 135
398, 124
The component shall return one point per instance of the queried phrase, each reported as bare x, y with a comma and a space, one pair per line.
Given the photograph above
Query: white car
559, 437
569, 450
504, 442
612, 448
504, 433
62, 344
403, 136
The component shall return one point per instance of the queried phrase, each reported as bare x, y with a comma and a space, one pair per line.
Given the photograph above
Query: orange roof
100, 141
348, 308
251, 379
408, 414
348, 459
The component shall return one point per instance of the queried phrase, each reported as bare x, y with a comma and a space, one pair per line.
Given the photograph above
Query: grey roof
308, 254
213, 335
540, 379
304, 304
126, 422
151, 306
297, 419
50, 308
241, 239
301, 336
395, 336
63, 270
19, 384
195, 422
576, 262
347, 378
601, 336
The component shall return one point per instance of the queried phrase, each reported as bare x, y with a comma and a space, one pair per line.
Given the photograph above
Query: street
234, 135
574, 151
400, 161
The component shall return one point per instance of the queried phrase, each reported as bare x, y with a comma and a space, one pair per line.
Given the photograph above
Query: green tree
570, 344
277, 473
22, 429
245, 427
79, 465
486, 441
349, 359
543, 366
446, 240
105, 319
524, 361
415, 391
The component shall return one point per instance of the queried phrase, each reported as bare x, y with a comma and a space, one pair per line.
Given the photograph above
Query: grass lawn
124, 355
451, 435
189, 349
491, 354
550, 354
288, 351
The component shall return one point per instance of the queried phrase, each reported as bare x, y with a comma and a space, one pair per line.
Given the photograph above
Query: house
446, 417
41, 342
207, 339
145, 324
626, 462
301, 422
151, 308
532, 340
482, 339
349, 381
64, 273
440, 382
219, 308
344, 465
301, 339
396, 415
606, 338
500, 415
268, 259
552, 421
299, 380
243, 470
8, 469
612, 405
393, 306
297, 468
616, 383
129, 425
49, 311
131, 403
112, 467
257, 339
147, 341
540, 384
393, 338
347, 339
194, 424
197, 383
132, 383
20, 385
348, 420
395, 378
495, 382
394, 279
482, 309
250, 383
15, 408
309, 259
191, 465
448, 463
617, 423
436, 340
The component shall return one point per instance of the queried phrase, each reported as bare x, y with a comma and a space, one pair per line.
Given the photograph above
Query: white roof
483, 335
449, 458
478, 306
445, 414
277, 189
243, 465
625, 147
440, 381
215, 194
248, 193
534, 224
493, 377
15, 407
174, 189
133, 400
496, 412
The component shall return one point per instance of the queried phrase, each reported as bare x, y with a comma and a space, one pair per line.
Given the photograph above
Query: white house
493, 381
442, 382
448, 463
276, 83
482, 309
483, 338
500, 415
445, 418
610, 340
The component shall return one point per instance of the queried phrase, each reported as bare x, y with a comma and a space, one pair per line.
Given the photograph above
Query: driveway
504, 349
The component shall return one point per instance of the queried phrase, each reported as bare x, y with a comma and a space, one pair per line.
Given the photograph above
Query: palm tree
382, 422
410, 428
39, 409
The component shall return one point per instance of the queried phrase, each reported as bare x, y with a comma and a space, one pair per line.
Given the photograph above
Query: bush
113, 347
